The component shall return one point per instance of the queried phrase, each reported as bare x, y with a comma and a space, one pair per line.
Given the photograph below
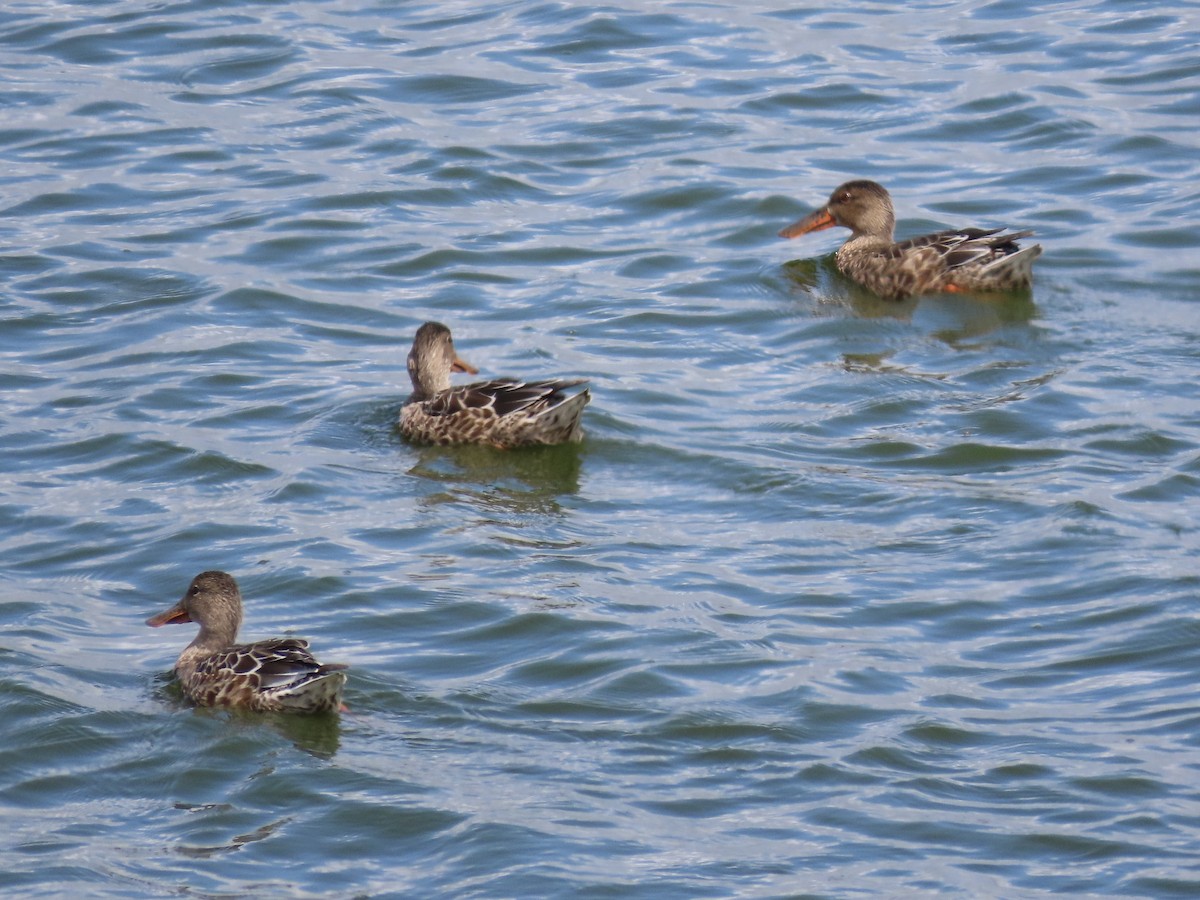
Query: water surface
838, 597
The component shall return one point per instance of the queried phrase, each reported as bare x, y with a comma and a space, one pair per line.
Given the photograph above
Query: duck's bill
461, 365
173, 616
814, 221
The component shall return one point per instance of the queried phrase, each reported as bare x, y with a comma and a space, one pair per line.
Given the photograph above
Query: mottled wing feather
944, 241
502, 413
503, 397
270, 674
959, 259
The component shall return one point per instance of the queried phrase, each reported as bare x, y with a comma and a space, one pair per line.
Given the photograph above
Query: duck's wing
962, 247
503, 397
264, 674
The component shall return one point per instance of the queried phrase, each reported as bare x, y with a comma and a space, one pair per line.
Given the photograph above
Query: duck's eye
846, 197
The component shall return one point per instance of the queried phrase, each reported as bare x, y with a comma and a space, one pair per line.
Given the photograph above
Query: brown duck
966, 259
272, 675
502, 413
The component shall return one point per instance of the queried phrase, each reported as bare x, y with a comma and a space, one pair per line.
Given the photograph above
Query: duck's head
862, 206
213, 602
432, 359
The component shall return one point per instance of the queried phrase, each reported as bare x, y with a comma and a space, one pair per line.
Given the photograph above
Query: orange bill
173, 616
814, 221
461, 365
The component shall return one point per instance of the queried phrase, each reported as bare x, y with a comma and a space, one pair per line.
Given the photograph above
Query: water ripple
837, 596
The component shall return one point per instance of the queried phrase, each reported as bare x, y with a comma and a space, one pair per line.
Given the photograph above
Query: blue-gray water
837, 598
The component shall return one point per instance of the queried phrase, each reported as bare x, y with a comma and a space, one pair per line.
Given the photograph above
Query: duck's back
271, 675
967, 259
502, 413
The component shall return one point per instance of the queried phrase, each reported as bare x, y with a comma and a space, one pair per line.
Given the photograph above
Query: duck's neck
877, 222
427, 380
213, 638
859, 244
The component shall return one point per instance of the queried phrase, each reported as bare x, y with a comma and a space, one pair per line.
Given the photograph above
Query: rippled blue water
837, 598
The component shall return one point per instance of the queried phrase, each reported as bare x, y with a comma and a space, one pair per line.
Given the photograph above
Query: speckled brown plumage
967, 259
271, 675
502, 413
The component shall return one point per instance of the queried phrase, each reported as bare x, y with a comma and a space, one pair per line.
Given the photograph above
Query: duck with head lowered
956, 260
502, 413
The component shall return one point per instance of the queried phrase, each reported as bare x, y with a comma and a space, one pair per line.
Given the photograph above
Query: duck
503, 413
276, 675
955, 261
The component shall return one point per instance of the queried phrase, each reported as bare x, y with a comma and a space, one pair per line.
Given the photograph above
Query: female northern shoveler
967, 259
273, 675
503, 413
